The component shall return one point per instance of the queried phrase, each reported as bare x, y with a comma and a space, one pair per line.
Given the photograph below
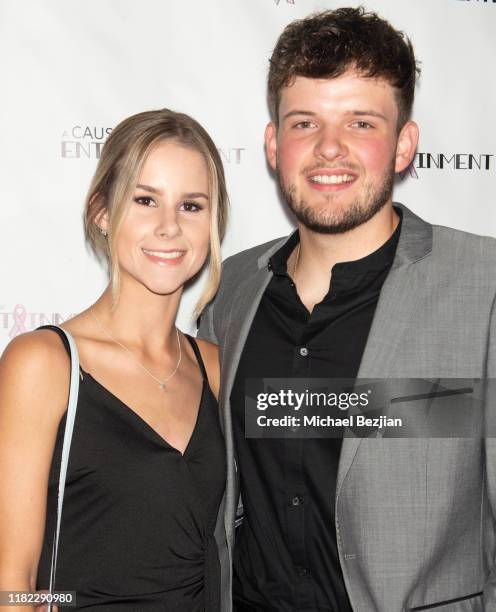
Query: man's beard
329, 221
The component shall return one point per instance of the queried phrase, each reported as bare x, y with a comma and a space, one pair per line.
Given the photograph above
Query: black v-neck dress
138, 517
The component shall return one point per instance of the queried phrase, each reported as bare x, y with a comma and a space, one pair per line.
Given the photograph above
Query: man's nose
330, 144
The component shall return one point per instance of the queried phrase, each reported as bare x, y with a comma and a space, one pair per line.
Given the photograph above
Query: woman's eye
144, 201
191, 207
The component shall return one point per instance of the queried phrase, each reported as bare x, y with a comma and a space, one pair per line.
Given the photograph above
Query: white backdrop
71, 70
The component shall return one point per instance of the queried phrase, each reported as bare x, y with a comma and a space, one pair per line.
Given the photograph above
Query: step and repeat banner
71, 70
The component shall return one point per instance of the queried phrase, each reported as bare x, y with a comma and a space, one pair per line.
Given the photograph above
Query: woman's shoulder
210, 355
37, 349
35, 365
207, 347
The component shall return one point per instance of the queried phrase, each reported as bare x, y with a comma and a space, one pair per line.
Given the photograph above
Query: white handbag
66, 446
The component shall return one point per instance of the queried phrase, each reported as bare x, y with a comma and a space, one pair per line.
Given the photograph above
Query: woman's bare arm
34, 384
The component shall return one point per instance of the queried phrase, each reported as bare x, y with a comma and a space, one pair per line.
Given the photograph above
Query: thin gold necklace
161, 383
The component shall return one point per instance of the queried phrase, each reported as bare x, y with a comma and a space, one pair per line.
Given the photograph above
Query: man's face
337, 148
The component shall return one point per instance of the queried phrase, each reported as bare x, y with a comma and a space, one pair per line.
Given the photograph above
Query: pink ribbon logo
19, 314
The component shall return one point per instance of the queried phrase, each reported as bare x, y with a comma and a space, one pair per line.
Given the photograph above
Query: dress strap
65, 342
61, 335
194, 344
72, 402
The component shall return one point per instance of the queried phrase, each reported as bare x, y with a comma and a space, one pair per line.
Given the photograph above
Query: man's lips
327, 179
164, 257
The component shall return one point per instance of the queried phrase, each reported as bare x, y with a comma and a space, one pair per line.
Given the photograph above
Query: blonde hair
117, 174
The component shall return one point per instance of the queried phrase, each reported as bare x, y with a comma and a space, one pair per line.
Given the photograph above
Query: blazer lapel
397, 302
245, 302
245, 305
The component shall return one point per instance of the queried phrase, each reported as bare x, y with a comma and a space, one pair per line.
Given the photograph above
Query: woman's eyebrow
196, 194
148, 188
193, 194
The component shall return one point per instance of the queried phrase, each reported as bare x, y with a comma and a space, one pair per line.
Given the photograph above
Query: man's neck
311, 263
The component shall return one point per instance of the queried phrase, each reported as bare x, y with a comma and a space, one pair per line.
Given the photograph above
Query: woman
146, 471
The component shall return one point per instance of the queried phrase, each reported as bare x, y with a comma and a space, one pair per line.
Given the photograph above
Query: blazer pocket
440, 413
447, 602
433, 395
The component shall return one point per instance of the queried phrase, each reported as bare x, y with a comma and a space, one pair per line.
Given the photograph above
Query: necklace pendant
162, 386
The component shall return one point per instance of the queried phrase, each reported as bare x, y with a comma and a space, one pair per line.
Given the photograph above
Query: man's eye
144, 201
363, 124
191, 207
302, 125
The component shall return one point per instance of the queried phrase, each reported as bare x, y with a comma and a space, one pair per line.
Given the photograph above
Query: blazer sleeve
490, 458
211, 323
206, 329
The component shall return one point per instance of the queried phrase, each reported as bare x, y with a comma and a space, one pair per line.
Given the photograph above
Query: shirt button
296, 501
303, 351
303, 571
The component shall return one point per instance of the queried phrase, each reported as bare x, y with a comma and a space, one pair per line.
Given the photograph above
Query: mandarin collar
347, 275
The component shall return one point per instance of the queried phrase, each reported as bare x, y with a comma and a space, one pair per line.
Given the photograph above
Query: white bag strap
66, 446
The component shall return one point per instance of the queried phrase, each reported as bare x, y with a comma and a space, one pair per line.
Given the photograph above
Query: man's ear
406, 146
271, 144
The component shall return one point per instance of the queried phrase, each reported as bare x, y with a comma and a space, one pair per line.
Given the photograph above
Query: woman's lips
164, 258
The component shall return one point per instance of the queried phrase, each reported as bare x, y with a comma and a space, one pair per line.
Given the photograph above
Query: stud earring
103, 232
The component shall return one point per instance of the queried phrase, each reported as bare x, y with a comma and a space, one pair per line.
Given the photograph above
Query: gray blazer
415, 518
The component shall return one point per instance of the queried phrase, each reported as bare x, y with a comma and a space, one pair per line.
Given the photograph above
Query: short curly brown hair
327, 44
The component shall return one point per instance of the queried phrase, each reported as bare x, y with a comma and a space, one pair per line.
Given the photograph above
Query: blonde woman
146, 472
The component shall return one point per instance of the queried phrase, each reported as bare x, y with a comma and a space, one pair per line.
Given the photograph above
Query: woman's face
165, 236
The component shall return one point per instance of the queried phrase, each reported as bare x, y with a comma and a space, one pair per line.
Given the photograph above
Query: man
361, 289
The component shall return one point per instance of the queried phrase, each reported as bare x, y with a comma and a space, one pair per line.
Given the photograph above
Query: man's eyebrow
368, 113
299, 112
356, 113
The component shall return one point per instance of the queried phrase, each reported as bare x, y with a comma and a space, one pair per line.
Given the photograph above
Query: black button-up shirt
286, 555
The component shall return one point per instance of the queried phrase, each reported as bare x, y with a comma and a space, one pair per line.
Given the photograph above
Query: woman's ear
102, 217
